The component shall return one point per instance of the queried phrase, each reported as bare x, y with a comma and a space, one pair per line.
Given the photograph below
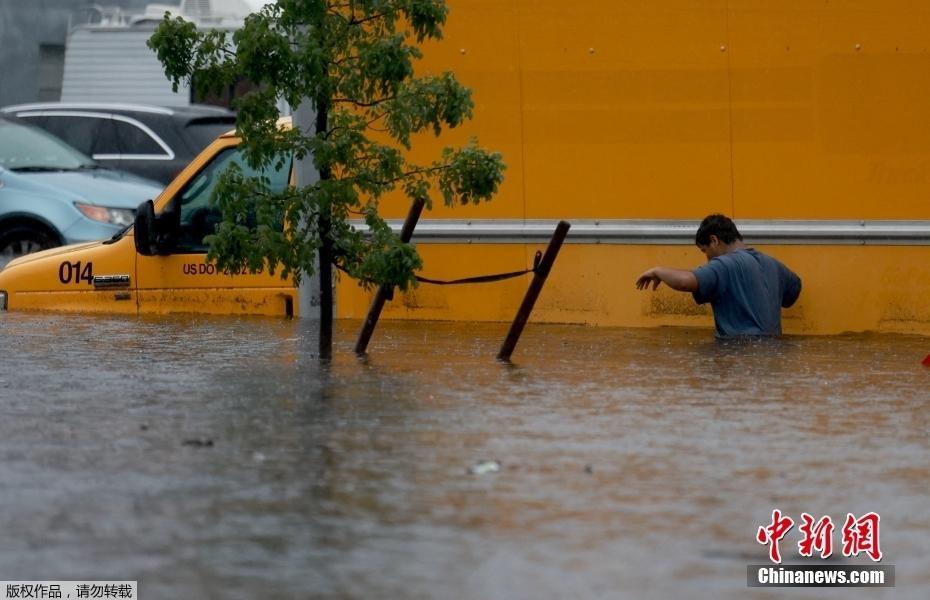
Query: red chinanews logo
859, 535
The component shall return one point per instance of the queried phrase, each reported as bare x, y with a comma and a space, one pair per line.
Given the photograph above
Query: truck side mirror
165, 228
144, 229
156, 234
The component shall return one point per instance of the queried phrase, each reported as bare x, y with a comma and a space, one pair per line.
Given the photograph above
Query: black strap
484, 278
477, 278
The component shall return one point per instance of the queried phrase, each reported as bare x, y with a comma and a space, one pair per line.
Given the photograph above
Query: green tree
353, 60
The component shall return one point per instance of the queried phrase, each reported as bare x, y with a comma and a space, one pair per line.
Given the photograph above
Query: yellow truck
809, 123
131, 274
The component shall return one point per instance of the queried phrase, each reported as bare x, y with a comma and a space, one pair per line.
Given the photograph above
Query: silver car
51, 194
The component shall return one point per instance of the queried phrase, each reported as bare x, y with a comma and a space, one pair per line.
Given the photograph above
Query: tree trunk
325, 254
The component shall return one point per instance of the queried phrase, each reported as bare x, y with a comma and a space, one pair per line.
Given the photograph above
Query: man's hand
646, 278
677, 279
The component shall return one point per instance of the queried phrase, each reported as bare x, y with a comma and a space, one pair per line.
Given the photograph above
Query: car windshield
27, 148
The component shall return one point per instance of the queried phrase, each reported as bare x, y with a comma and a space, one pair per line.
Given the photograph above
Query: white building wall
115, 65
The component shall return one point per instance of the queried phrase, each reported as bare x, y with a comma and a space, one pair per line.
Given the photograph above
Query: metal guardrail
616, 231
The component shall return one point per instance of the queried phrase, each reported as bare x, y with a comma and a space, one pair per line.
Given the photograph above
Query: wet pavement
216, 458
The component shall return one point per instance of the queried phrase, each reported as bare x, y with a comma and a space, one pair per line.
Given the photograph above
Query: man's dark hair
720, 226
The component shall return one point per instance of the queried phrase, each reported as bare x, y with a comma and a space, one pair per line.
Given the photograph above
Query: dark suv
152, 141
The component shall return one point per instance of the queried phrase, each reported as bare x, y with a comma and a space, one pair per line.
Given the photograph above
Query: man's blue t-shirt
747, 290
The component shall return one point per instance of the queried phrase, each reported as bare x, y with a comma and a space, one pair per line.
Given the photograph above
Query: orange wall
594, 284
787, 109
626, 109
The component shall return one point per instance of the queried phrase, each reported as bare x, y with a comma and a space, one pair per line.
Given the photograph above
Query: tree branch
374, 17
340, 61
371, 104
407, 175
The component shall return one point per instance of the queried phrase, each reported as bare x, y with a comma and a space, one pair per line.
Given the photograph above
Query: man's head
716, 235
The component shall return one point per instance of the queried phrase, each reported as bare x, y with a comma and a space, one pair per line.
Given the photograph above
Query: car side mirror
143, 229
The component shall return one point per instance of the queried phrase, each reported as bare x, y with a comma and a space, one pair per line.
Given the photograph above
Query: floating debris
588, 469
484, 467
197, 443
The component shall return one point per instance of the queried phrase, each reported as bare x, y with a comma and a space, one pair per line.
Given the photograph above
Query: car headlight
114, 216
2, 300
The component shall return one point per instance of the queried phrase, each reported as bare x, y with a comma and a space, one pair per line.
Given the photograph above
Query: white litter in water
484, 467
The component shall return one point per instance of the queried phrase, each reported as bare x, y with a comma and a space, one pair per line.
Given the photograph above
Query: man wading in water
746, 288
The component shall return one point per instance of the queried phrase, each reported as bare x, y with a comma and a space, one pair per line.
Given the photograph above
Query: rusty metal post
385, 293
532, 293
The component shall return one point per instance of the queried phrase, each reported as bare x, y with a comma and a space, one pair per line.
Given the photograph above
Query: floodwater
217, 458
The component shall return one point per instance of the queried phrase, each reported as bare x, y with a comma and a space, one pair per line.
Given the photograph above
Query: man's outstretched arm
677, 279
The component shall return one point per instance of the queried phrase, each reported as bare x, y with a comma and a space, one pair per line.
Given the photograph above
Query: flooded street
216, 458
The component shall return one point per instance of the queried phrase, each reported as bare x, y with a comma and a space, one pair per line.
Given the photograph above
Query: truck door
184, 282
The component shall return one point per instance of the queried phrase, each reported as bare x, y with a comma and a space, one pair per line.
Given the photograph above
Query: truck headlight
114, 216
2, 300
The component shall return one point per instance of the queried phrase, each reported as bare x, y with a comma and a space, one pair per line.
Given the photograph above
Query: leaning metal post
532, 293
384, 292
